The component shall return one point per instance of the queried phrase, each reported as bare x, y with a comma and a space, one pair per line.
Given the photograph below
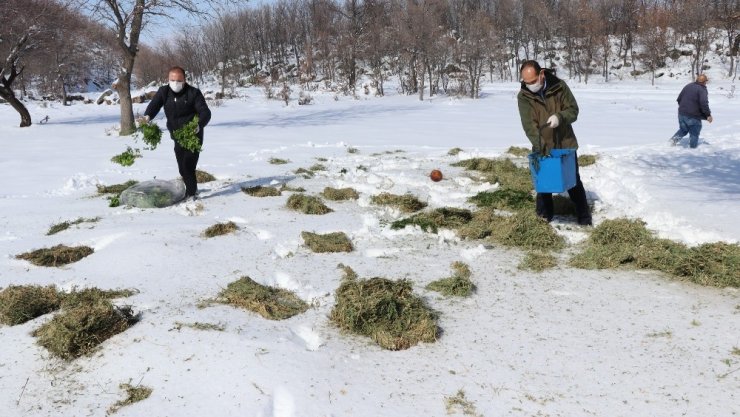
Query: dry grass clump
116, 188
432, 221
287, 188
586, 160
79, 330
307, 204
21, 303
340, 194
202, 177
626, 242
260, 191
91, 295
454, 151
406, 203
538, 261
459, 284
305, 173
518, 151
525, 229
459, 402
134, 394
504, 199
220, 229
326, 243
386, 311
501, 171
270, 303
317, 167
278, 161
56, 228
56, 256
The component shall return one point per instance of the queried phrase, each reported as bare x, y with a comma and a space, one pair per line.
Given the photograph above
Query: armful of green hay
151, 134
186, 136
127, 158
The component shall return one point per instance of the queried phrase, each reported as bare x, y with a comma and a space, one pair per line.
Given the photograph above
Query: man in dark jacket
693, 107
546, 101
181, 102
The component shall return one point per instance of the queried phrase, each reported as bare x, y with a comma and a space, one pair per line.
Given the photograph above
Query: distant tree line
427, 46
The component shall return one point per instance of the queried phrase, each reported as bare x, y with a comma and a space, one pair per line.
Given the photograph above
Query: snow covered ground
560, 343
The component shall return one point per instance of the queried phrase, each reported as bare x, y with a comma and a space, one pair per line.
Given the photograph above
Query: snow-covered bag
154, 194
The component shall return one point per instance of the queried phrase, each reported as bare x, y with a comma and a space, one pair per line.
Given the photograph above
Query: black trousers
577, 194
186, 163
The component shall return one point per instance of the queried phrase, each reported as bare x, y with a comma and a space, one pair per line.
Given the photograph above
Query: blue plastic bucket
554, 173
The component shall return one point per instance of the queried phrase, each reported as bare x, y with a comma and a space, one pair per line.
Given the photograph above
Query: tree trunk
64, 91
17, 105
124, 96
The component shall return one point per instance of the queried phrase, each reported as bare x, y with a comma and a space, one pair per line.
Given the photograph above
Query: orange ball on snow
436, 175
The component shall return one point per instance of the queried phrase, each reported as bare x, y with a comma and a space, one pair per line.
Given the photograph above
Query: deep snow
560, 343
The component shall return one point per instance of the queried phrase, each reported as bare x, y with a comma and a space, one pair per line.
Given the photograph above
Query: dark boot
544, 206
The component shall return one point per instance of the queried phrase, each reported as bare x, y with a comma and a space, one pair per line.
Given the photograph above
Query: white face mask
535, 87
176, 86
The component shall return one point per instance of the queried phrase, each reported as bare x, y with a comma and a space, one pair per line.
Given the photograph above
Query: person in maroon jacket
181, 102
693, 107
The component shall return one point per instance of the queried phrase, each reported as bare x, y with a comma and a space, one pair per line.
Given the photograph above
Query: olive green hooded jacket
534, 111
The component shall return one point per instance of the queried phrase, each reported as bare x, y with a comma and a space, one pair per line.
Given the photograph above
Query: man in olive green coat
548, 109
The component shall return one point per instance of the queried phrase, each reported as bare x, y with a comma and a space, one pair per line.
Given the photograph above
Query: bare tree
654, 35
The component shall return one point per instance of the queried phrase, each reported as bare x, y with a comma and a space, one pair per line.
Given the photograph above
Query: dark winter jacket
536, 108
180, 108
693, 101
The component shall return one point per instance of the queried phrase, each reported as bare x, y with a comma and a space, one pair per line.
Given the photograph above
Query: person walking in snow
546, 102
693, 107
181, 102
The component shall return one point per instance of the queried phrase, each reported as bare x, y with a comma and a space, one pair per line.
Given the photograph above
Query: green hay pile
481, 225
454, 151
57, 255
79, 330
21, 303
340, 194
386, 311
432, 221
626, 242
202, 177
501, 171
151, 134
59, 227
504, 199
317, 167
287, 188
538, 261
307, 204
519, 151
586, 160
458, 285
270, 303
326, 243
127, 157
524, 229
260, 191
278, 161
220, 229
134, 394
406, 203
304, 173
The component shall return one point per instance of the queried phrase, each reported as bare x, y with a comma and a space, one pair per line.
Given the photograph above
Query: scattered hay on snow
220, 229
78, 331
340, 194
524, 229
92, 295
21, 303
305, 173
260, 191
459, 402
326, 243
627, 242
406, 203
287, 188
270, 303
432, 221
134, 394
386, 311
278, 161
501, 171
307, 204
459, 284
538, 261
57, 255
202, 177
59, 227
116, 188
586, 160
454, 151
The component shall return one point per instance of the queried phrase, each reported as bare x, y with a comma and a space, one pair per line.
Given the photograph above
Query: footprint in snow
281, 404
307, 337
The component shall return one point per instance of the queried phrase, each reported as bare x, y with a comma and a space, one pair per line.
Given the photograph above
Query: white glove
553, 121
